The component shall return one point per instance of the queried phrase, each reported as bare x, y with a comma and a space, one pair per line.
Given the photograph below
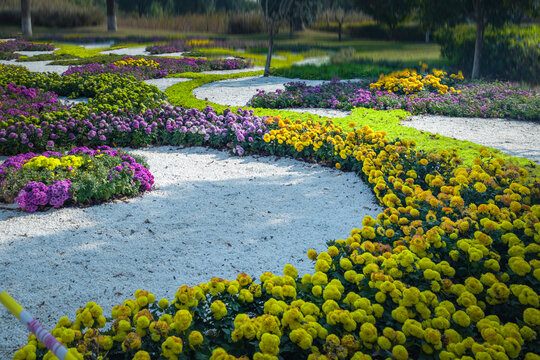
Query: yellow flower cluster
199, 42
408, 81
137, 62
51, 163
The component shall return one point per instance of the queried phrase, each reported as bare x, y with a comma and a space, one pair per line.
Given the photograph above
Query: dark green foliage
388, 12
510, 53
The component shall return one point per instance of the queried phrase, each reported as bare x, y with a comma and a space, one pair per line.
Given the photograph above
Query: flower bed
162, 125
190, 44
448, 270
143, 69
497, 99
8, 48
38, 181
107, 92
19, 103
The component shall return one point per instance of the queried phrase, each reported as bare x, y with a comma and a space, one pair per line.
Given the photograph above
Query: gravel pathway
163, 83
134, 51
513, 137
210, 215
237, 92
38, 66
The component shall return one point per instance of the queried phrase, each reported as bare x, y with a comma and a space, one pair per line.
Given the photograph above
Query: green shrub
375, 31
509, 53
245, 23
107, 92
330, 71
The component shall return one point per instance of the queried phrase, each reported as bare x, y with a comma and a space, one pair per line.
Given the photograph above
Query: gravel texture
222, 72
513, 137
163, 83
34, 53
38, 66
210, 215
237, 92
134, 51
325, 113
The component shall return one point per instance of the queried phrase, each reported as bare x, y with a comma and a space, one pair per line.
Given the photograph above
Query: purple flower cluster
37, 194
140, 173
497, 99
28, 104
163, 125
8, 48
105, 150
190, 44
166, 66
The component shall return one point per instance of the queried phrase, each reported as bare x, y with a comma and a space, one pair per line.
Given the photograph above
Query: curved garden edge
389, 121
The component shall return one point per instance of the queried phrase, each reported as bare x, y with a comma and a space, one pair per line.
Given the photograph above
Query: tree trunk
111, 16
427, 36
270, 49
26, 18
291, 27
327, 21
480, 27
339, 30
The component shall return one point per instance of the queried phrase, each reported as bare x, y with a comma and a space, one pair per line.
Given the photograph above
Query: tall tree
302, 12
26, 18
274, 11
388, 12
338, 8
436, 13
111, 16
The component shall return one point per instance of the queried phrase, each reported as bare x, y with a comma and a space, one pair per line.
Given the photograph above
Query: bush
37, 181
246, 23
375, 31
107, 92
52, 13
509, 53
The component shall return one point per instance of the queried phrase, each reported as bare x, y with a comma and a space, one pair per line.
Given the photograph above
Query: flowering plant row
190, 44
19, 103
107, 92
36, 181
448, 270
496, 99
8, 48
142, 68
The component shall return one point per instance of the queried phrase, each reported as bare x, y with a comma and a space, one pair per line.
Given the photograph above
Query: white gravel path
163, 83
134, 51
138, 51
237, 92
38, 66
34, 53
210, 215
325, 113
96, 45
513, 137
222, 72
